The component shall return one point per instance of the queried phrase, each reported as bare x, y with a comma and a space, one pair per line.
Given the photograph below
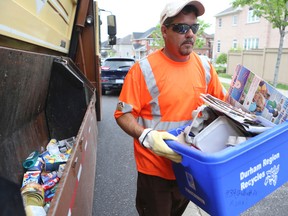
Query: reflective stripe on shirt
151, 85
207, 70
208, 73
150, 81
158, 125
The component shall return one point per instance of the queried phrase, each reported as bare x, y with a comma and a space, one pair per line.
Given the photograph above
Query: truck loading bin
44, 97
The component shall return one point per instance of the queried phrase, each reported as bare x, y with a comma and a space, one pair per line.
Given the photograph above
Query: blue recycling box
230, 181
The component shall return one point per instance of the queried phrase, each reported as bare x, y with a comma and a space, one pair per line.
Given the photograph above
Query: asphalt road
116, 174
115, 171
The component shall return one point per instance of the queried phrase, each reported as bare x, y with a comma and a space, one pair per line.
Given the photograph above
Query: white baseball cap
173, 8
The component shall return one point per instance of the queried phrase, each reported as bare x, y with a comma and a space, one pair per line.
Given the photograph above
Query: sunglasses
182, 28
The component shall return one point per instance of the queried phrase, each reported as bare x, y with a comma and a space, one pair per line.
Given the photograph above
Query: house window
218, 45
234, 44
220, 22
251, 43
234, 20
256, 43
251, 17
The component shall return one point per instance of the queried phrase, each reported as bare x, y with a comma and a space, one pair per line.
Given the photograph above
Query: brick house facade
237, 28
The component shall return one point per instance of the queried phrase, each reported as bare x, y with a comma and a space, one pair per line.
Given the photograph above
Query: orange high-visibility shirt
162, 99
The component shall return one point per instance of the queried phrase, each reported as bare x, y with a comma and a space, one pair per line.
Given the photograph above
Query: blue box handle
187, 152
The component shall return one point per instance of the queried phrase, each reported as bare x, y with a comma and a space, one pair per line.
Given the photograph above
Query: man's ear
164, 31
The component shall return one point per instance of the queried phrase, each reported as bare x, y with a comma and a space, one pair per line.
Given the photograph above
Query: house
142, 43
137, 45
238, 28
123, 48
207, 48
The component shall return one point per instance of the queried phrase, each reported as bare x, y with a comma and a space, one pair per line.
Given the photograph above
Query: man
159, 93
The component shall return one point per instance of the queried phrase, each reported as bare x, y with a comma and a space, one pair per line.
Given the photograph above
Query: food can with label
33, 194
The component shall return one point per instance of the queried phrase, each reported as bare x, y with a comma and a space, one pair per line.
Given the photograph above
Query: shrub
220, 69
222, 59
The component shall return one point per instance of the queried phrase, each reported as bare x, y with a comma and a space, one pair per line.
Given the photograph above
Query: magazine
252, 94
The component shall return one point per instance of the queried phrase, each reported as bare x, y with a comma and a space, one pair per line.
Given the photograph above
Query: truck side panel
43, 97
50, 88
23, 89
51, 21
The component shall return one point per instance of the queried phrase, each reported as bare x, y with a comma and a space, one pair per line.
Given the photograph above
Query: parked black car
113, 72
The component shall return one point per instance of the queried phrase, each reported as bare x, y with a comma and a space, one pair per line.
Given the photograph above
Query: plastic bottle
31, 160
52, 147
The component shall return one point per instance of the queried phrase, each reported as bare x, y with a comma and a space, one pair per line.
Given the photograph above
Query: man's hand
154, 140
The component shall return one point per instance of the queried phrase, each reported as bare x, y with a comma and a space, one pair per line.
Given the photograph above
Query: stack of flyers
256, 96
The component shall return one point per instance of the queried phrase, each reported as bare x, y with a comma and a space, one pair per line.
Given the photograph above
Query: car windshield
118, 63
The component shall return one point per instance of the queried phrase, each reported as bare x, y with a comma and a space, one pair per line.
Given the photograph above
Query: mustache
189, 40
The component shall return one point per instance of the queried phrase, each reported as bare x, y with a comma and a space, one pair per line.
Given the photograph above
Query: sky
139, 16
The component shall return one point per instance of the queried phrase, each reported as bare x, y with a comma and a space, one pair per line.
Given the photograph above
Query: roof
120, 41
228, 11
139, 47
208, 36
143, 35
125, 40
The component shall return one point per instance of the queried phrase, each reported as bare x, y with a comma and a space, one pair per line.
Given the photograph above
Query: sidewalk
194, 210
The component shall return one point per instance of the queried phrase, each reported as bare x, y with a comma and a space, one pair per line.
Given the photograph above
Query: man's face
179, 46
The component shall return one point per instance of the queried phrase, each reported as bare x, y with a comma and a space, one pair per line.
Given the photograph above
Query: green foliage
282, 86
220, 70
158, 41
226, 86
225, 75
203, 26
237, 49
222, 59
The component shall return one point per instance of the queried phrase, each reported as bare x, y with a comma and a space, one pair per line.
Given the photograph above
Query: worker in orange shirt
159, 93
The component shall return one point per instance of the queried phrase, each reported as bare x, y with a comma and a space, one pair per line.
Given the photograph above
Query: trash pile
43, 173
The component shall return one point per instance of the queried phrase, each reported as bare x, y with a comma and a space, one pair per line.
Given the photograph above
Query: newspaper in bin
250, 122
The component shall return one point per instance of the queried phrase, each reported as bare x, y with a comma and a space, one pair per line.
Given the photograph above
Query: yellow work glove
154, 140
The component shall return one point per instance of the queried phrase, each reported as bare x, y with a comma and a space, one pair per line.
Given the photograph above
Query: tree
158, 41
276, 12
203, 26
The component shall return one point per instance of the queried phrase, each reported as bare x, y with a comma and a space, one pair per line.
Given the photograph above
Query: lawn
226, 86
225, 75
